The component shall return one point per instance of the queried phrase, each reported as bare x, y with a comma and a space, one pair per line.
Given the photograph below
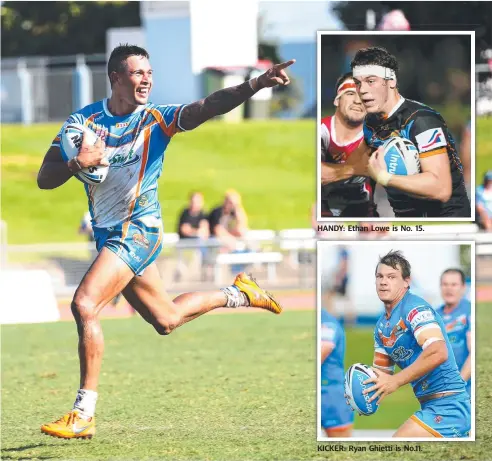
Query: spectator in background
229, 222
193, 221
192, 225
484, 203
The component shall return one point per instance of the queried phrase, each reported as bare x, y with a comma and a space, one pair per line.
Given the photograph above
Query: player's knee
83, 307
165, 326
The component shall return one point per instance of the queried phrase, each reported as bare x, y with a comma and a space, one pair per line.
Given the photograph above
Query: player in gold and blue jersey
456, 315
337, 418
412, 335
126, 217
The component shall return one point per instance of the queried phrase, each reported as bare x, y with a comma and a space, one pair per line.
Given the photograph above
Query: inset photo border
350, 312
438, 70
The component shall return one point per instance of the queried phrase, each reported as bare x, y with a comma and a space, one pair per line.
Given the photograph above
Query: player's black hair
454, 270
374, 55
116, 62
341, 79
395, 259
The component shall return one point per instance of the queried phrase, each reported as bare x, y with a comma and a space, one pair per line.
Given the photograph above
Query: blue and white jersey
135, 145
458, 324
484, 198
395, 342
332, 371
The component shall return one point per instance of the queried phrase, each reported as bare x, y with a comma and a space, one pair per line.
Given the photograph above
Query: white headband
378, 71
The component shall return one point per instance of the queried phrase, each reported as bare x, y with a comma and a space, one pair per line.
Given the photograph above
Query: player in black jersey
439, 190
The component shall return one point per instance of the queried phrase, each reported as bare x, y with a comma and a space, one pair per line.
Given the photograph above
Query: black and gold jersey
428, 131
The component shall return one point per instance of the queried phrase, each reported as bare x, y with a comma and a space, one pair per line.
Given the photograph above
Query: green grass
238, 386
272, 164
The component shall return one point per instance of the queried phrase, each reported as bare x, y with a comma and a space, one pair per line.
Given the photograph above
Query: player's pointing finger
284, 65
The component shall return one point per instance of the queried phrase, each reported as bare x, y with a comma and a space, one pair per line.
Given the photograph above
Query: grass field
271, 163
224, 387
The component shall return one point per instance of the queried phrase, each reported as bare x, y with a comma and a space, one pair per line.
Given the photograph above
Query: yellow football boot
257, 296
71, 426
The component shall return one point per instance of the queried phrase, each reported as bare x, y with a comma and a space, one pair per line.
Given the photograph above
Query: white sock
85, 403
235, 297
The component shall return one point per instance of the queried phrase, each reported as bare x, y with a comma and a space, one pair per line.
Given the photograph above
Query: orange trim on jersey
426, 427
442, 150
91, 118
145, 156
338, 428
170, 130
92, 189
382, 360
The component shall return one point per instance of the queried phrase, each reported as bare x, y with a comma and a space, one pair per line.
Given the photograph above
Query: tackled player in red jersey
341, 134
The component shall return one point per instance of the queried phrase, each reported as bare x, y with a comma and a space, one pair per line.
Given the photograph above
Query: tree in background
62, 28
422, 16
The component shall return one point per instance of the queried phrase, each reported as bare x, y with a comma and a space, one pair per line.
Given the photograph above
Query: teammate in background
337, 418
439, 190
484, 203
341, 134
126, 214
411, 335
456, 314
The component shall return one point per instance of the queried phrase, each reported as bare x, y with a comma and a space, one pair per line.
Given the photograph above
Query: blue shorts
335, 412
137, 242
448, 417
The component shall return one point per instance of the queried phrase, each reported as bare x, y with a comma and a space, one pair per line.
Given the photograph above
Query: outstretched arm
223, 101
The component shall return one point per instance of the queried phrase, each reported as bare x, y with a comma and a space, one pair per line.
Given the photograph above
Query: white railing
279, 258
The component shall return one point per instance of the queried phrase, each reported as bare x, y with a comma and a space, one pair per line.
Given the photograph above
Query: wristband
253, 83
383, 178
77, 165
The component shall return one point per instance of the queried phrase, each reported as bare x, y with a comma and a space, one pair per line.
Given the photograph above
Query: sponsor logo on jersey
431, 139
140, 240
438, 419
143, 200
458, 324
416, 317
122, 160
396, 332
122, 125
400, 354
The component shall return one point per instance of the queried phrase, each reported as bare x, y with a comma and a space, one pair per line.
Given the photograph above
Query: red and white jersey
353, 197
331, 150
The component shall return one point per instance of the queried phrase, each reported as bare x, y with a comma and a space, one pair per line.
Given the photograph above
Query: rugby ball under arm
70, 143
401, 157
353, 386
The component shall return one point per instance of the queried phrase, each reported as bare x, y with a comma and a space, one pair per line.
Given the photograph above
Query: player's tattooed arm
223, 101
55, 171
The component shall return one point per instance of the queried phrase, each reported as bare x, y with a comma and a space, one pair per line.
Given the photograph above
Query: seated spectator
484, 203
229, 222
193, 220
